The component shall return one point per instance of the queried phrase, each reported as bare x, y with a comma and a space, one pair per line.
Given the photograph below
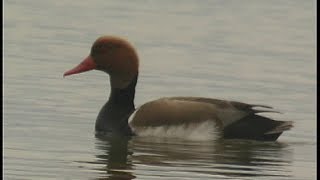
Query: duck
224, 119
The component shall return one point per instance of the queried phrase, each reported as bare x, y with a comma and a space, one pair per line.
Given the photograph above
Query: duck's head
114, 56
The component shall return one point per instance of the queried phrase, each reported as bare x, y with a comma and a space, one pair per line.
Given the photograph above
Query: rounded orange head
114, 56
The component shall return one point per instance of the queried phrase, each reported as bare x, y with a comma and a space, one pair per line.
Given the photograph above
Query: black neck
123, 96
115, 113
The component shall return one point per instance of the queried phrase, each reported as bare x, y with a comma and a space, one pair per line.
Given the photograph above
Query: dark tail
256, 127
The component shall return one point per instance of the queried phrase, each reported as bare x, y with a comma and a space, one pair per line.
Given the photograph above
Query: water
252, 51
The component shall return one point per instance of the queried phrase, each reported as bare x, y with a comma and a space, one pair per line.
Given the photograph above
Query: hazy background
252, 51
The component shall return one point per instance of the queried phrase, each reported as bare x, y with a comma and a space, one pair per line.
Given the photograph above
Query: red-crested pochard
227, 119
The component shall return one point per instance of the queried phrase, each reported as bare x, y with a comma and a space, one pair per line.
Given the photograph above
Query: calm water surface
251, 51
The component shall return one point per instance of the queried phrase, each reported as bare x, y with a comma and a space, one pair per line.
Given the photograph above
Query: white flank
201, 132
132, 116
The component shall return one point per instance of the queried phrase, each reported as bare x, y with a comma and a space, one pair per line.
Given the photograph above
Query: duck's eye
103, 48
97, 49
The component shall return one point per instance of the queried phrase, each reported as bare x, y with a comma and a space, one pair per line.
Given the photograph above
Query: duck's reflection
252, 158
230, 158
115, 155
